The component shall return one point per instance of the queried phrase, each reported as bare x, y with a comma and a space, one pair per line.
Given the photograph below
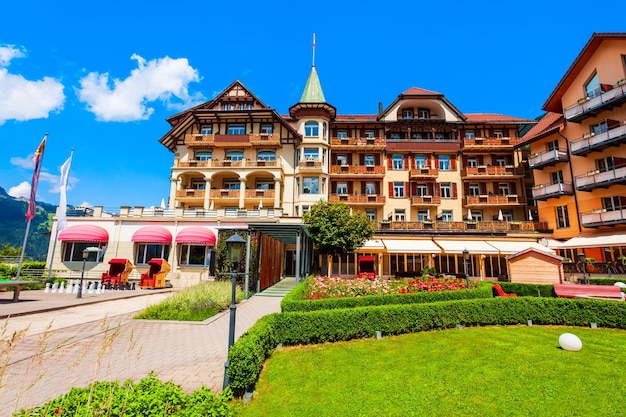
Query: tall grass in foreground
196, 303
492, 371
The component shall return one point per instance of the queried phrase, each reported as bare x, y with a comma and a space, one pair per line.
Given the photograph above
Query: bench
499, 292
603, 292
17, 286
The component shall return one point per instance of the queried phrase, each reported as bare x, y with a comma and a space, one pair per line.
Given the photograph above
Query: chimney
380, 108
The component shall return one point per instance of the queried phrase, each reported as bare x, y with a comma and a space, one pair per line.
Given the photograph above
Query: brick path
102, 342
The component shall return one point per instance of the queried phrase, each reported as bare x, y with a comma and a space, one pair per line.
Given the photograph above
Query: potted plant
622, 259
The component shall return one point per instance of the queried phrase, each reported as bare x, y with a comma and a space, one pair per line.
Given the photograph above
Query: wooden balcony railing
358, 170
257, 194
358, 199
190, 193
424, 172
488, 143
314, 164
224, 193
227, 163
472, 227
508, 200
216, 140
489, 170
425, 200
366, 143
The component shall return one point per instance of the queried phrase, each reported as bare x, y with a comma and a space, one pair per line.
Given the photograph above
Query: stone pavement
75, 342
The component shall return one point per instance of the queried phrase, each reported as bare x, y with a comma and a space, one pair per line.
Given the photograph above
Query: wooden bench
17, 286
500, 292
603, 292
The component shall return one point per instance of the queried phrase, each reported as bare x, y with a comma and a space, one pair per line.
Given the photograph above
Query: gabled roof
550, 123
553, 103
416, 92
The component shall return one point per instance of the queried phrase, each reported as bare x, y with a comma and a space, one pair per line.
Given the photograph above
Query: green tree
335, 230
8, 250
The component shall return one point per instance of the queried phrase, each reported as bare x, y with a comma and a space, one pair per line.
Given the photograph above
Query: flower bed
324, 287
431, 284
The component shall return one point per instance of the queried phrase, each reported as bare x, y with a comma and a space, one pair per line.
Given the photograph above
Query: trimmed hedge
528, 290
296, 299
246, 357
606, 281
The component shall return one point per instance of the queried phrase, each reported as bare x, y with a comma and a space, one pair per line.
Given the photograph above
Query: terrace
545, 159
597, 179
592, 142
610, 97
544, 192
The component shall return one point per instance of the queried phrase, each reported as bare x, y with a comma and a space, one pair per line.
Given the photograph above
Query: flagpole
32, 204
62, 189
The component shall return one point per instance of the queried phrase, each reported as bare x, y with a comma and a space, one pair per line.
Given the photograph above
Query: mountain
13, 225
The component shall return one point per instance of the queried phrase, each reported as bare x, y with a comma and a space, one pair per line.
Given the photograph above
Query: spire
313, 90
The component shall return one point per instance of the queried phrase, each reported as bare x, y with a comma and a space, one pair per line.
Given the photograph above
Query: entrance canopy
411, 246
473, 246
507, 247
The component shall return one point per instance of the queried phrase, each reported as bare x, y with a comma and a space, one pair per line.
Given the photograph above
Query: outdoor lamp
466, 256
581, 257
608, 259
234, 248
86, 252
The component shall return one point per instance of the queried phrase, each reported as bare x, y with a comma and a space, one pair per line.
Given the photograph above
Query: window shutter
391, 190
389, 161
406, 162
513, 188
453, 162
406, 189
455, 193
436, 189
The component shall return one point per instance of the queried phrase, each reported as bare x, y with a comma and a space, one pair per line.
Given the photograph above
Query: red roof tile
549, 123
356, 118
494, 118
414, 91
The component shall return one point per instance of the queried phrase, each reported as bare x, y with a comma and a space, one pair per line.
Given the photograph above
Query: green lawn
493, 371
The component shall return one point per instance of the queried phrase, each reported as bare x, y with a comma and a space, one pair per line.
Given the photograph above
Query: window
446, 190
472, 162
505, 189
423, 215
342, 159
440, 136
394, 136
611, 203
497, 133
342, 134
501, 161
469, 134
369, 160
474, 189
264, 184
267, 129
225, 106
369, 134
477, 215
203, 155
417, 136
194, 255
310, 185
371, 214
311, 154
231, 184
312, 129
198, 183
266, 156
553, 145
73, 251
599, 128
592, 88
236, 130
342, 188
398, 189
398, 161
420, 161
305, 209
444, 162
206, 129
446, 215
147, 251
370, 188
234, 155
556, 177
422, 190
605, 164
249, 106
507, 215
407, 113
399, 215
423, 114
562, 217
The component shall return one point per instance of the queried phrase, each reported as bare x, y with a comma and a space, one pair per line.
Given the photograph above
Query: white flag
65, 175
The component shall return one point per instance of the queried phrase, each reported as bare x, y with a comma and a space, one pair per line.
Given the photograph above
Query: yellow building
578, 155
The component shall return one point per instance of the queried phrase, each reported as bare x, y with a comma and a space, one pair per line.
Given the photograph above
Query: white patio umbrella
162, 203
211, 206
500, 216
530, 216
428, 215
260, 204
469, 214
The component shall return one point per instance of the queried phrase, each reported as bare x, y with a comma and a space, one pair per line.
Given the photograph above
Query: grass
196, 303
492, 371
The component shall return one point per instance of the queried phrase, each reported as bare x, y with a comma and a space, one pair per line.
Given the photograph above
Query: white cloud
20, 191
22, 99
163, 79
26, 163
85, 204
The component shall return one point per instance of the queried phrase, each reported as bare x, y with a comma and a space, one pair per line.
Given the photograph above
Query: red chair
118, 273
500, 292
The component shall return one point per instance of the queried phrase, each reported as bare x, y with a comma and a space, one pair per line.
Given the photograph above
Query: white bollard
75, 288
58, 288
47, 287
99, 288
90, 290
69, 288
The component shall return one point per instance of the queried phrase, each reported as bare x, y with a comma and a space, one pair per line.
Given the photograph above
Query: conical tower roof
313, 92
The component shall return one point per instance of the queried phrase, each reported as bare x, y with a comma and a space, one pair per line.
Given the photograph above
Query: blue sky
101, 77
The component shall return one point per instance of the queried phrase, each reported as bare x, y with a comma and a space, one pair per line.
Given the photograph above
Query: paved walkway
75, 342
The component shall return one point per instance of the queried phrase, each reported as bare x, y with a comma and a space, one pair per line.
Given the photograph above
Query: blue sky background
101, 77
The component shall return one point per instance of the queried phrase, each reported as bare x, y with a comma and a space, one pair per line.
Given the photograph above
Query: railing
494, 199
260, 194
546, 158
463, 226
190, 193
425, 200
424, 172
200, 140
482, 170
553, 190
596, 178
592, 141
602, 217
358, 199
224, 193
227, 163
488, 142
578, 110
358, 170
368, 142
223, 213
310, 164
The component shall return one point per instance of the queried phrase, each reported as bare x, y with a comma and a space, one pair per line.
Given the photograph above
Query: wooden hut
532, 266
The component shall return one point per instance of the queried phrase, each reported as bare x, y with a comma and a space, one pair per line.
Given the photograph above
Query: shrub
528, 290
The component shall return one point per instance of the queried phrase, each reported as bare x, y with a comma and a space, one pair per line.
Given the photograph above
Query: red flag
37, 159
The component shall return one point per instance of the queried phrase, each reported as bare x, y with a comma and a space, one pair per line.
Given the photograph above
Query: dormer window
407, 113
236, 129
267, 129
206, 129
592, 88
423, 114
469, 134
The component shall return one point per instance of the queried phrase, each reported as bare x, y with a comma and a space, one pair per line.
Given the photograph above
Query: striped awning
152, 234
84, 233
196, 234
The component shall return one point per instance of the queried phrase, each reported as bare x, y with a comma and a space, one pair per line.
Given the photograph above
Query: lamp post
466, 256
581, 257
234, 250
86, 253
608, 259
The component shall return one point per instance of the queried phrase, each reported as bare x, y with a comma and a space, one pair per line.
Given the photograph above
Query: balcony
590, 107
423, 173
221, 141
494, 200
358, 144
425, 200
596, 142
310, 165
367, 170
190, 193
597, 179
488, 144
602, 217
260, 194
489, 171
423, 145
442, 227
544, 192
224, 194
546, 159
369, 199
228, 163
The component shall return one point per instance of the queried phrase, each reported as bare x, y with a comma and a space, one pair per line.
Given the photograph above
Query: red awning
152, 234
196, 234
367, 259
85, 233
